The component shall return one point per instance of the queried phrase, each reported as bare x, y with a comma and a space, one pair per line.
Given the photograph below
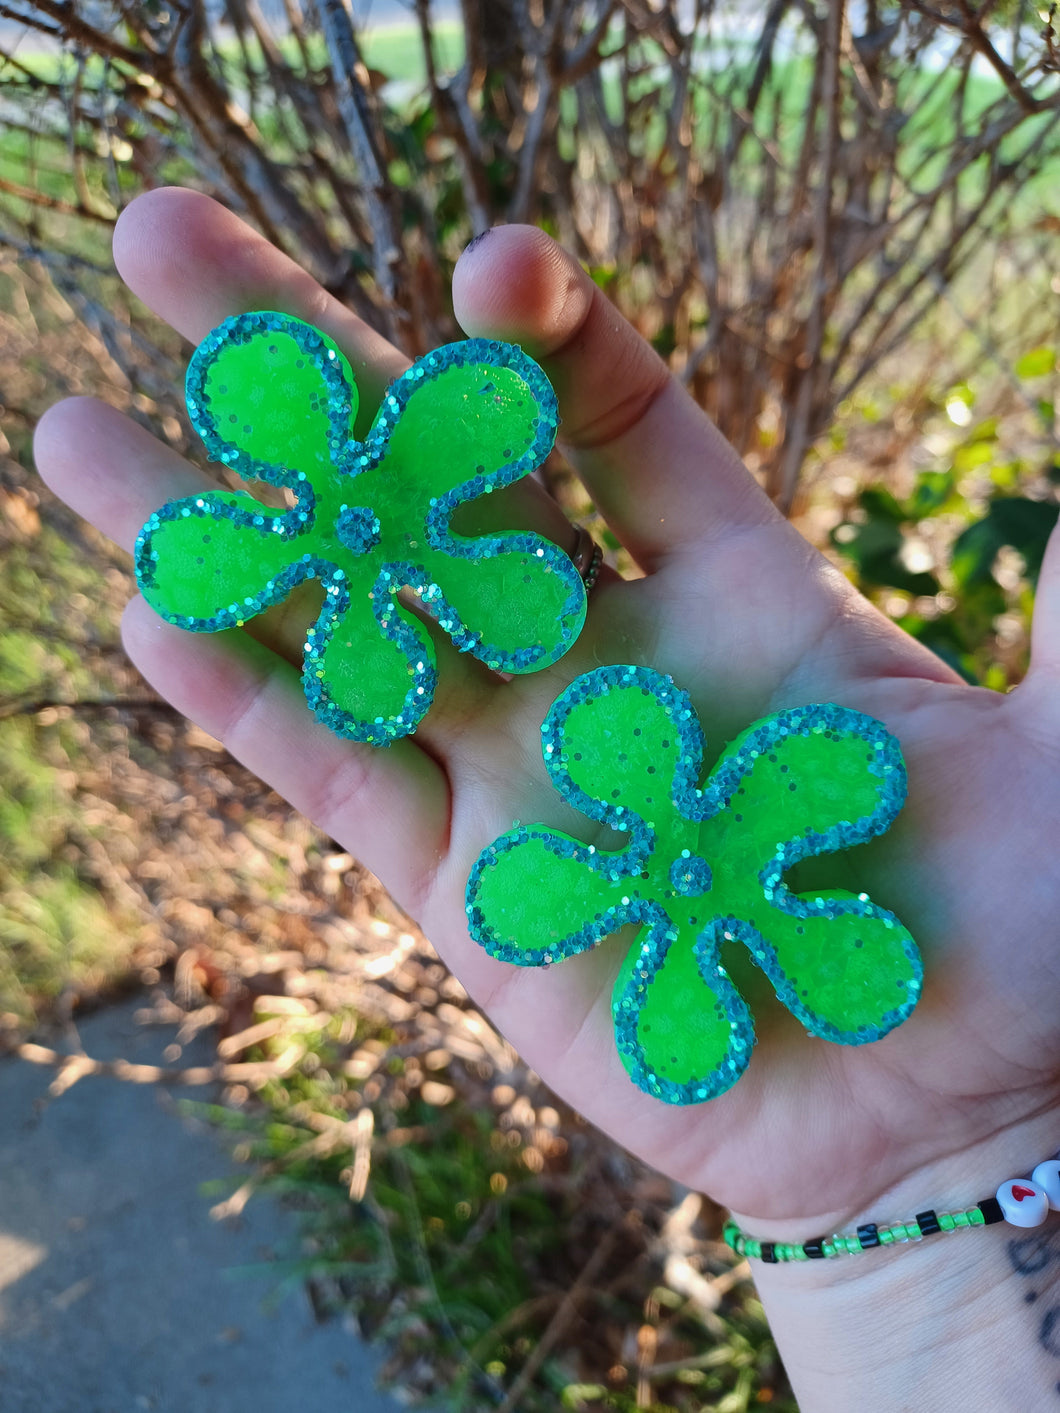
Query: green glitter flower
274, 399
704, 866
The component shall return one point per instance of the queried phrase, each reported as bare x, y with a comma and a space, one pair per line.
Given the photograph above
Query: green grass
479, 1217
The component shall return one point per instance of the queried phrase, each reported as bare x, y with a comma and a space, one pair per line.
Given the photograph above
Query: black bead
768, 1252
991, 1210
868, 1235
927, 1222
815, 1248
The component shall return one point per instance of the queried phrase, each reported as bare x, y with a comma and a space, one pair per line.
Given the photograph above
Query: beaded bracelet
1022, 1202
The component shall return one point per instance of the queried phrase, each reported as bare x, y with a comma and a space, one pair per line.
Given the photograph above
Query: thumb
1045, 628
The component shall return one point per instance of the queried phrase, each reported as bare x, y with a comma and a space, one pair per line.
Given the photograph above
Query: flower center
690, 875
358, 528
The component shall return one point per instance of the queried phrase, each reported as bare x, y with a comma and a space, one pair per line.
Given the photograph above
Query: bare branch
350, 77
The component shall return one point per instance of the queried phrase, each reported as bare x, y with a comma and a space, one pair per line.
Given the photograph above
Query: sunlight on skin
17, 1258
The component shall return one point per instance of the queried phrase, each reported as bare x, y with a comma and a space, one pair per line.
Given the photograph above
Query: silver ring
587, 557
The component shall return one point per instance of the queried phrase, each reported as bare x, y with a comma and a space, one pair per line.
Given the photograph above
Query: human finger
195, 264
1044, 671
655, 465
109, 469
114, 473
390, 805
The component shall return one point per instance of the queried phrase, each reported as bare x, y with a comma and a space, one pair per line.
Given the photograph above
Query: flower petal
536, 897
369, 669
465, 419
847, 969
273, 398
212, 561
815, 778
624, 746
682, 1029
517, 605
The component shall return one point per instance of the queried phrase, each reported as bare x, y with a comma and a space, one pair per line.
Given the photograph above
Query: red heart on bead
1019, 1193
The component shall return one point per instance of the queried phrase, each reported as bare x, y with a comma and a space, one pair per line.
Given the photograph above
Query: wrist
951, 1321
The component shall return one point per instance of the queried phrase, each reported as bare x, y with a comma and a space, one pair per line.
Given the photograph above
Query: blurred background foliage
836, 222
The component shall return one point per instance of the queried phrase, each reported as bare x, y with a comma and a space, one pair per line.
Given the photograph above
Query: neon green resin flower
703, 868
275, 400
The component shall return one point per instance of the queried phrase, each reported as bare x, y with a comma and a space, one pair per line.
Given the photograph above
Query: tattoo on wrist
1029, 1257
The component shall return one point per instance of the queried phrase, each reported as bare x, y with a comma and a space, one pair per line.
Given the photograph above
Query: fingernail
477, 240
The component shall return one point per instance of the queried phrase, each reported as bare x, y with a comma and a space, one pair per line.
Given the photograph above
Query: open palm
748, 619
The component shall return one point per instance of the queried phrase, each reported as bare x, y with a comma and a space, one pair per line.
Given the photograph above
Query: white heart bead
1047, 1175
1023, 1202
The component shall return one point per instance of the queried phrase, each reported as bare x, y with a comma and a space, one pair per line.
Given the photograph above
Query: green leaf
984, 431
1006, 475
1024, 525
879, 504
875, 547
933, 490
1036, 363
970, 455
960, 392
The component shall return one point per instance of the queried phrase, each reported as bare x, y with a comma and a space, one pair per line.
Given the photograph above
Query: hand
748, 618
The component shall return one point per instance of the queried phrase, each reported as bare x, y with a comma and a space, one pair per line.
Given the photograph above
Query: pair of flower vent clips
701, 861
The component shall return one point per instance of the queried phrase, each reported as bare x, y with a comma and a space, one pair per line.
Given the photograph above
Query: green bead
961, 1219
946, 1221
976, 1218
886, 1235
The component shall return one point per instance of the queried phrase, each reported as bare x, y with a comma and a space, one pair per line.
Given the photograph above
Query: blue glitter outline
613, 867
396, 626
612, 864
653, 946
287, 525
336, 374
739, 759
351, 458
697, 805
366, 456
